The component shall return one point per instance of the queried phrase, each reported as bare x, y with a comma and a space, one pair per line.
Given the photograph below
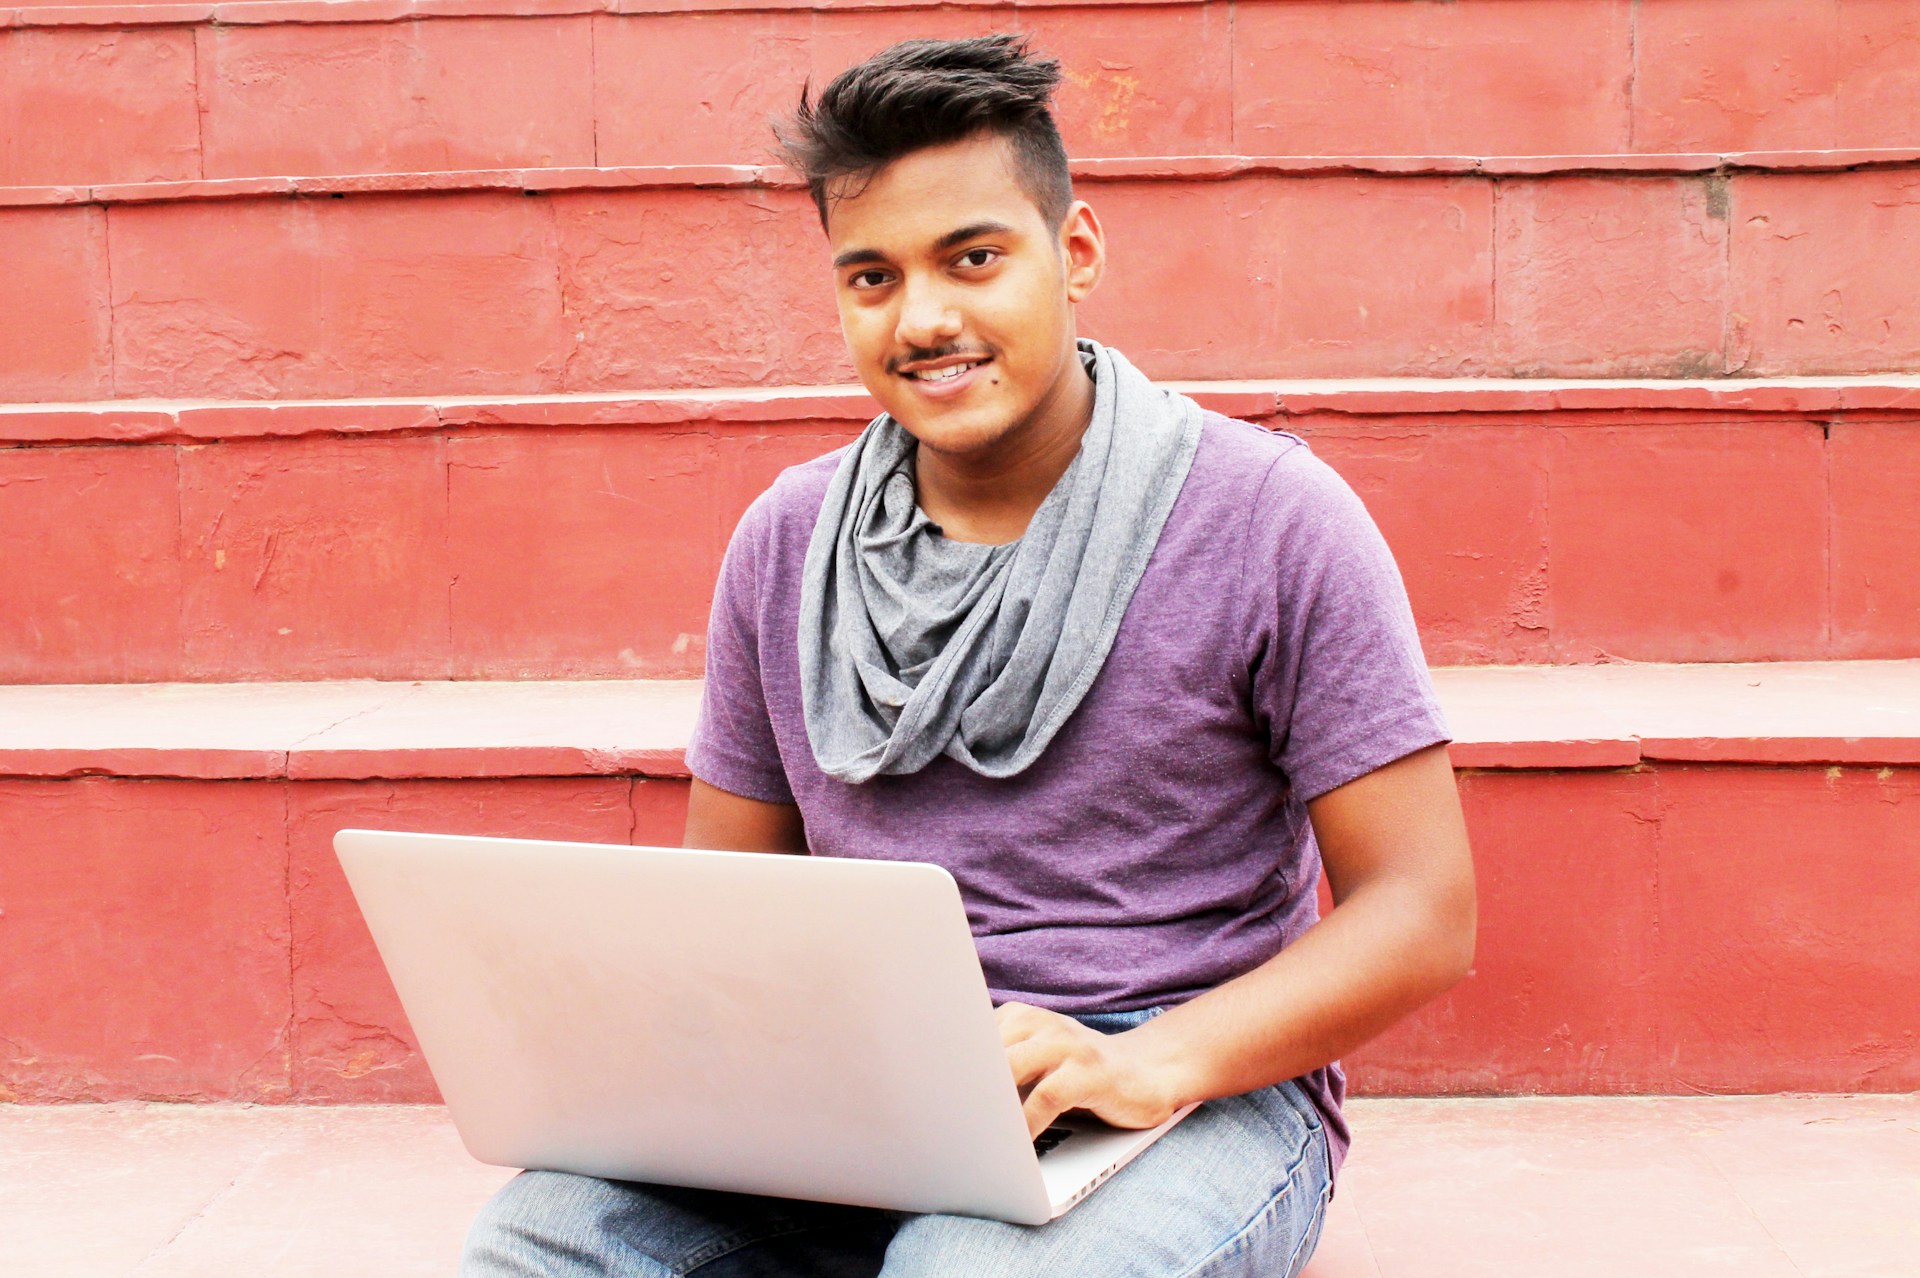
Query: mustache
918, 354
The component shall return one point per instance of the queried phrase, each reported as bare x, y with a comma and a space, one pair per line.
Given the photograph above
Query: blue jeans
1238, 1188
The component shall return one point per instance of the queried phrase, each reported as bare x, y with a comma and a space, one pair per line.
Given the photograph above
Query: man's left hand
1060, 1064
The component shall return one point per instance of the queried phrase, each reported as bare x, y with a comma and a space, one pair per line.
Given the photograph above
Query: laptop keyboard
1047, 1140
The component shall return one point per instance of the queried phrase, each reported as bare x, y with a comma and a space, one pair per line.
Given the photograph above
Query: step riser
1680, 930
1277, 276
1531, 77
1657, 930
566, 553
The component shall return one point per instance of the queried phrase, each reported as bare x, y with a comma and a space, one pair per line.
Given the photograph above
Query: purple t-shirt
1160, 844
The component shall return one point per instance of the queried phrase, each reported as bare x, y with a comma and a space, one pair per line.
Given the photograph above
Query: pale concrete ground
1799, 1187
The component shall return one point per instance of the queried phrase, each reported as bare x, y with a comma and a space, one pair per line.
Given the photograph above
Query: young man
1133, 672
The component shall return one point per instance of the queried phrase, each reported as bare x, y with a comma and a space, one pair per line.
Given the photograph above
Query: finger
1051, 1097
1018, 1021
1031, 1058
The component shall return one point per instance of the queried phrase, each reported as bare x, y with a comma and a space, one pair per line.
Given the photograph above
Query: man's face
956, 297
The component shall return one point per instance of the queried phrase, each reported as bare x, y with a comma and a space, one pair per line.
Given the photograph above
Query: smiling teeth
943, 374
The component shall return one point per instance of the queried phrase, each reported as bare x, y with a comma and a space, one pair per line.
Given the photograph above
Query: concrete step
1670, 1187
543, 281
579, 536
1692, 878
183, 91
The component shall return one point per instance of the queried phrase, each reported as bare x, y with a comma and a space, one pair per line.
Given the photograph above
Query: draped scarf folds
913, 646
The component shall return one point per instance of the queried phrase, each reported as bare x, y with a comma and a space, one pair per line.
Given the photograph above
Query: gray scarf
913, 646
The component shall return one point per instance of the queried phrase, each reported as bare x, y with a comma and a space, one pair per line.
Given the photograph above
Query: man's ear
1084, 247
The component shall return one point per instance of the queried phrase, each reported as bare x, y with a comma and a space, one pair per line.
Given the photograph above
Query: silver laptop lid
788, 1025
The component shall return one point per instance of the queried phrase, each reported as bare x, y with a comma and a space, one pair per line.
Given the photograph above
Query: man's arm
1394, 844
732, 823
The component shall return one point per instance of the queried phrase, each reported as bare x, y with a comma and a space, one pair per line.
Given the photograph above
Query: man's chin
944, 432
957, 436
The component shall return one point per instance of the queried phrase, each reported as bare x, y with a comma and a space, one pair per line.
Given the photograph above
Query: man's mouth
933, 369
946, 373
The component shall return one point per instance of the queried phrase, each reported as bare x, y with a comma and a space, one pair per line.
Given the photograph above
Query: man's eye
978, 257
868, 279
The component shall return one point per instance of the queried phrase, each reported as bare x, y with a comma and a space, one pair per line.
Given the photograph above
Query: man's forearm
1390, 947
1394, 847
1393, 843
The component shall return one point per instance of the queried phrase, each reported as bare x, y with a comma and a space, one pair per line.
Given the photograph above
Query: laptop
803, 1027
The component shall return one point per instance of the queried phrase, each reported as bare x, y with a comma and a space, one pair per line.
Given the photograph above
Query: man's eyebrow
959, 235
857, 257
972, 231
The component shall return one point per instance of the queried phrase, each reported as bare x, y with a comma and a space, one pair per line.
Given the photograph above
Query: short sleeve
1338, 675
733, 746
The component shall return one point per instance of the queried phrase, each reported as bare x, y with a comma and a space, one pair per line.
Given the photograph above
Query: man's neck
991, 499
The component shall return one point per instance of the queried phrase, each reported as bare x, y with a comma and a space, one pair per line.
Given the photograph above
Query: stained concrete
1669, 1187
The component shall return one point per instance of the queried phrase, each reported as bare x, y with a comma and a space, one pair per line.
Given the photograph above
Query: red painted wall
1283, 274
538, 552
316, 92
1680, 928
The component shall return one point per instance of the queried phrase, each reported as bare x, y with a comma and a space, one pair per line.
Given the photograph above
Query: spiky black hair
923, 93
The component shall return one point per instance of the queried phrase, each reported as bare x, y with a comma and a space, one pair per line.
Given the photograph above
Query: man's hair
922, 93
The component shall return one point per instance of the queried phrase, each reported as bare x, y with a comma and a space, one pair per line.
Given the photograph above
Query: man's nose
928, 315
